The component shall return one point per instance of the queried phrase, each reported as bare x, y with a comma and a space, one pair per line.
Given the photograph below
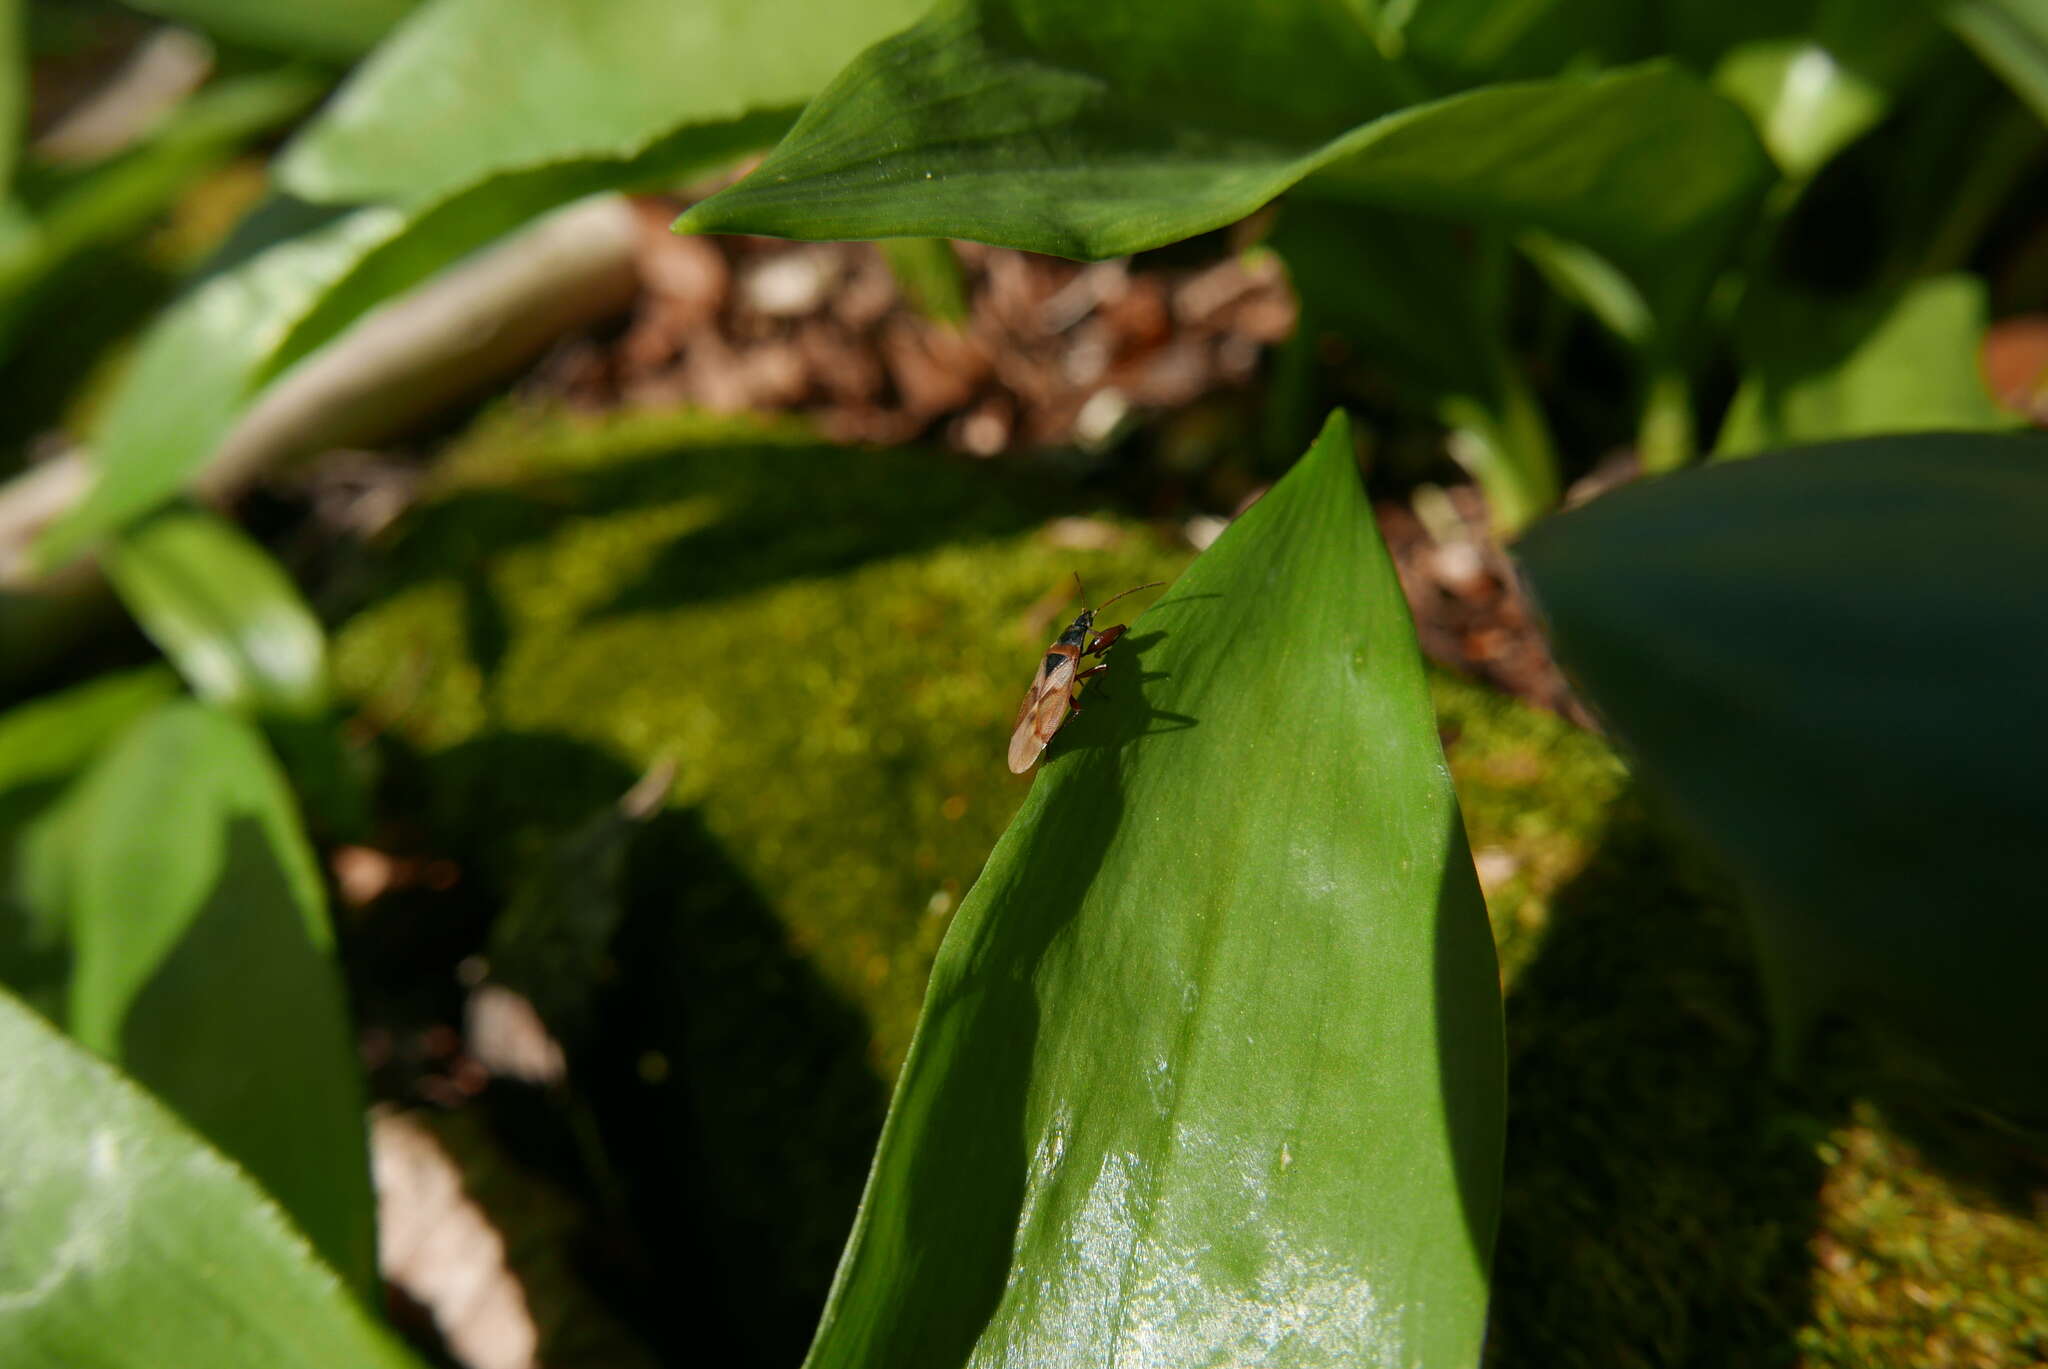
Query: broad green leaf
1824, 369
130, 1244
1828, 660
1050, 125
43, 747
332, 30
204, 964
472, 88
1210, 1066
196, 368
225, 613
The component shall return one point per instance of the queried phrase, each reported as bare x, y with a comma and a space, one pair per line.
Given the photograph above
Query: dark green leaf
474, 88
1829, 658
333, 30
1044, 124
2012, 38
204, 964
1465, 42
1210, 1068
129, 1244
1825, 369
225, 613
1421, 299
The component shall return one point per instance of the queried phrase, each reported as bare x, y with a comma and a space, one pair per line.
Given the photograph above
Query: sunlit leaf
1210, 1068
1829, 659
1049, 125
1817, 89
129, 1243
454, 139
204, 964
224, 612
1821, 369
474, 88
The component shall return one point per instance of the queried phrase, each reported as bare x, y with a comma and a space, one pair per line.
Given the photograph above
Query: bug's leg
1090, 673
1105, 639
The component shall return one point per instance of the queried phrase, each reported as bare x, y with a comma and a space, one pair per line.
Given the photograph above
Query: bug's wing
1045, 708
1043, 719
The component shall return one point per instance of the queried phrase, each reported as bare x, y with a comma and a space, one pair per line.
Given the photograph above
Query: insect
1051, 696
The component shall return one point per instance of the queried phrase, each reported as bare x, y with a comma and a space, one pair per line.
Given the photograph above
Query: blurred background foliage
610, 636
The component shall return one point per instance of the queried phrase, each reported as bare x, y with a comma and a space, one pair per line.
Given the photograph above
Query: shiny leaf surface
1826, 658
224, 612
130, 1244
1210, 1067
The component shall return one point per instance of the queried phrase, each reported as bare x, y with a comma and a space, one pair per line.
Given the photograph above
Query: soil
1043, 354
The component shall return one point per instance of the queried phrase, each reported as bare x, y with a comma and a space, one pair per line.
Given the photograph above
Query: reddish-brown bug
1051, 696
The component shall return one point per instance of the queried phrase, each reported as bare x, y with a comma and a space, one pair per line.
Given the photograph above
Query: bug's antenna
1080, 588
1132, 590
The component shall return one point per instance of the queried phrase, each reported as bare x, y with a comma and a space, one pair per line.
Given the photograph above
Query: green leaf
224, 612
116, 200
13, 91
1827, 660
332, 30
1815, 91
490, 157
1210, 1067
1465, 42
929, 276
129, 1244
43, 747
473, 88
1421, 298
204, 964
2012, 38
1044, 125
1824, 369
197, 367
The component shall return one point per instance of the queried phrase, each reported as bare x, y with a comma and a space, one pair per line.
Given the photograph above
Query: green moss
829, 646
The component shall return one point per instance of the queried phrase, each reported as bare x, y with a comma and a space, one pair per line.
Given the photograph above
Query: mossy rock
829, 645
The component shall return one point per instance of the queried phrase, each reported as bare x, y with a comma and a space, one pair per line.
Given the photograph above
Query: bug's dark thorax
1071, 643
